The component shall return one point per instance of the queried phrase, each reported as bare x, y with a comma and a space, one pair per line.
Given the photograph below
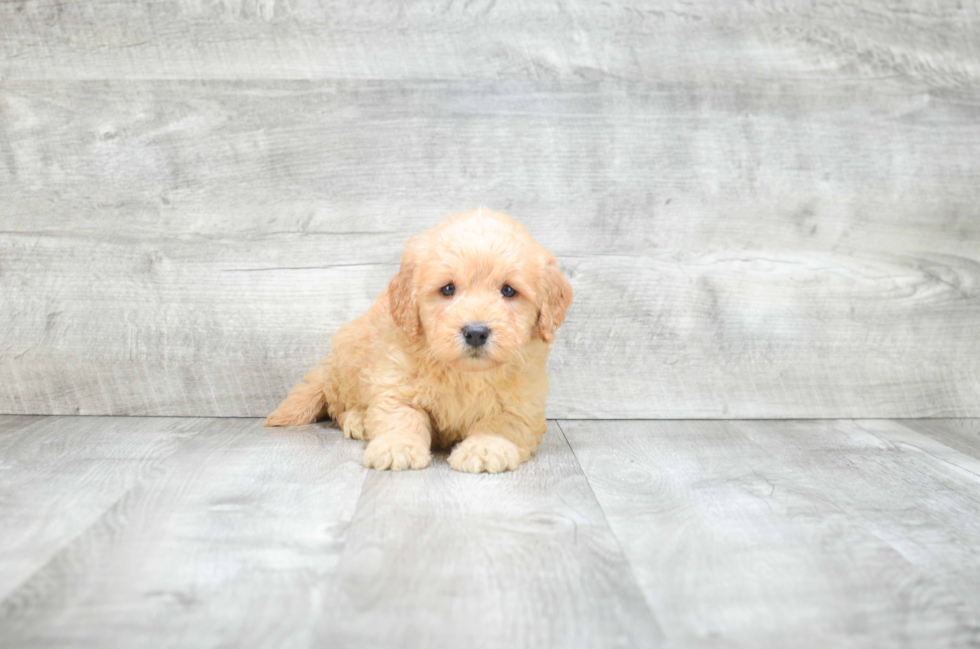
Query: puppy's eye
448, 289
507, 291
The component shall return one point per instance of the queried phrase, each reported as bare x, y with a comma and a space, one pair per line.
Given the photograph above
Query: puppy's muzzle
476, 335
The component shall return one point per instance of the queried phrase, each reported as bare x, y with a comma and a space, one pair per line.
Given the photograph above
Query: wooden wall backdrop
767, 209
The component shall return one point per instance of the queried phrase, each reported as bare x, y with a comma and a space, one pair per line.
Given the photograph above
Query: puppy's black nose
476, 335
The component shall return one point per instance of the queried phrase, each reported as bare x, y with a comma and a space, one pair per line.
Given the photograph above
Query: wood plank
790, 533
613, 167
525, 559
490, 39
936, 531
231, 544
11, 424
58, 476
960, 434
770, 251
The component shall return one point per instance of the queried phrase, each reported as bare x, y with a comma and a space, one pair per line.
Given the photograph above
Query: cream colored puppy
453, 352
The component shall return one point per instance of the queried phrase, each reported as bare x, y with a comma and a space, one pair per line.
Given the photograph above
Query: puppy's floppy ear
401, 296
556, 298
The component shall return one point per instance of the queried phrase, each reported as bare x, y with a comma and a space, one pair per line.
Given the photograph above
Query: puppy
453, 353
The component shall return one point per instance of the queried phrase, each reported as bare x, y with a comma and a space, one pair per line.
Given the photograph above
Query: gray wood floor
216, 532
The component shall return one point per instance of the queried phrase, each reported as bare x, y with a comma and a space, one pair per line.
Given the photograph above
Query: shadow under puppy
453, 352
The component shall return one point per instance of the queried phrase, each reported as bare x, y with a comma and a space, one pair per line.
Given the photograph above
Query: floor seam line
140, 483
619, 545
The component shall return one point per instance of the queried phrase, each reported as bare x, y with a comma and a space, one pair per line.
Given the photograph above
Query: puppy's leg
352, 423
306, 402
400, 436
498, 444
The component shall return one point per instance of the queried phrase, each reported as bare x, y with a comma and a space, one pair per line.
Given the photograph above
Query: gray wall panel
767, 212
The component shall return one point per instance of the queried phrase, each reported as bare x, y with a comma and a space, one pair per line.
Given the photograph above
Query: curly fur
401, 375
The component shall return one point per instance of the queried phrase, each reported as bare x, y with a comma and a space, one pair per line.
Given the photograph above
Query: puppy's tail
306, 402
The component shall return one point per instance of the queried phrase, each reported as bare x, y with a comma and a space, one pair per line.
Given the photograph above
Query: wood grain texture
58, 476
11, 424
960, 434
766, 210
441, 559
190, 295
258, 538
748, 533
927, 41
231, 543
174, 532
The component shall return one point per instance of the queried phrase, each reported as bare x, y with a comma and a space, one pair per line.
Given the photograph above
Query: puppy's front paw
397, 452
353, 424
485, 453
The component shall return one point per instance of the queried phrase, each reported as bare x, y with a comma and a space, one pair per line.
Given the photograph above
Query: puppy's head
478, 289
